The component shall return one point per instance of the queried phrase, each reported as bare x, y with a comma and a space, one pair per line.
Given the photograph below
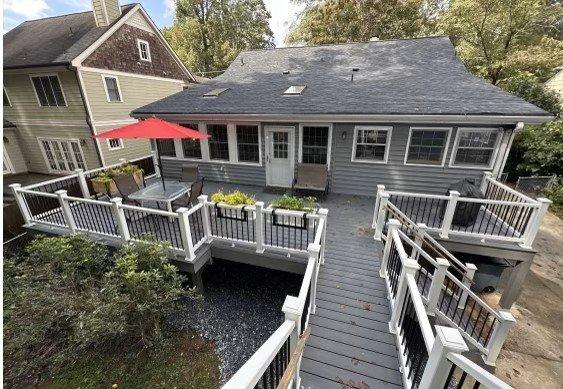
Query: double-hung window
191, 147
248, 146
111, 86
315, 144
115, 143
166, 147
371, 144
475, 147
218, 142
48, 90
427, 146
144, 50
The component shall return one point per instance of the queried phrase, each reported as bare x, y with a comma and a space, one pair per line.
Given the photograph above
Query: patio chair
126, 185
188, 200
190, 173
311, 177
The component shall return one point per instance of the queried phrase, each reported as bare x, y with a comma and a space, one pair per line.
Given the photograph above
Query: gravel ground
241, 308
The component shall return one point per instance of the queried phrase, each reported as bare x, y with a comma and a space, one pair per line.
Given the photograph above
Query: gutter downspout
87, 110
519, 126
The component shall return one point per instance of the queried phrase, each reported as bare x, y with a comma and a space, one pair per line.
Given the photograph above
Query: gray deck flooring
350, 344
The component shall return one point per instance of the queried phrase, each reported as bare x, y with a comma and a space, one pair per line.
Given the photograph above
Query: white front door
279, 156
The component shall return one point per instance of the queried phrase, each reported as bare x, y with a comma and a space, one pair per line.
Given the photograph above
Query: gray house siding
362, 178
345, 176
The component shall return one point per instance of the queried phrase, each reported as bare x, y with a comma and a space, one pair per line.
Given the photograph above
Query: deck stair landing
350, 344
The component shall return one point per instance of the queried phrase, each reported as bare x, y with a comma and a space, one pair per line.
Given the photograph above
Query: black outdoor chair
190, 173
126, 185
189, 200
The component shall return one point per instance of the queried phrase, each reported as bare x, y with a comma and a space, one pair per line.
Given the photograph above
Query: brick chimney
106, 11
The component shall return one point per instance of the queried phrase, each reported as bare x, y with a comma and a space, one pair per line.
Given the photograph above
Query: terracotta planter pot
111, 189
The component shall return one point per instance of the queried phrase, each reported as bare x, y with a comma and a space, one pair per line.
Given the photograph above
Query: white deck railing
502, 215
429, 360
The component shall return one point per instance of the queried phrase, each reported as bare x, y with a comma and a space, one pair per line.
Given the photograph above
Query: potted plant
293, 203
236, 201
103, 182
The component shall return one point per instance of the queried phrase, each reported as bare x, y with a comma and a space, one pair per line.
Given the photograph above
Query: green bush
69, 295
528, 87
555, 194
233, 198
294, 203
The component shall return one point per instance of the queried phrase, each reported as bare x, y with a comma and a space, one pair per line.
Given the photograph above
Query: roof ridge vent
215, 92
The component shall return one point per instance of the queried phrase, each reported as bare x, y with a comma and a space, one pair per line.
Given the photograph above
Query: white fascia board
340, 118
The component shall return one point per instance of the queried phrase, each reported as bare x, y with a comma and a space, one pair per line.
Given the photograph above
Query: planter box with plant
236, 201
307, 205
103, 182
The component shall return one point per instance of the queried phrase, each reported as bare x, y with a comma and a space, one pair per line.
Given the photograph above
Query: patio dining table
159, 193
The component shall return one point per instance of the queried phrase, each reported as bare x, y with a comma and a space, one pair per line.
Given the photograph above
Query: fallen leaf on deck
355, 361
367, 307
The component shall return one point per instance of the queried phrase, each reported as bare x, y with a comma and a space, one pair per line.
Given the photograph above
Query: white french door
62, 155
279, 156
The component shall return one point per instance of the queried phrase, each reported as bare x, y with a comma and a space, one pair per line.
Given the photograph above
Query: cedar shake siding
120, 52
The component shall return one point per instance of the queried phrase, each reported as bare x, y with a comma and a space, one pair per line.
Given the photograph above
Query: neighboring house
556, 83
403, 113
71, 76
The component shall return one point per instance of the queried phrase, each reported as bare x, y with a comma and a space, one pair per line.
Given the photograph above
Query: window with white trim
427, 146
475, 147
144, 50
191, 147
248, 146
218, 141
314, 144
113, 93
62, 155
166, 147
371, 144
48, 90
115, 143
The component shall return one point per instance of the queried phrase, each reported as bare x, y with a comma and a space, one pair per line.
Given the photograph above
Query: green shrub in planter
294, 203
103, 182
233, 198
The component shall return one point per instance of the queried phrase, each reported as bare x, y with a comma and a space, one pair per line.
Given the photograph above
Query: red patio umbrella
153, 128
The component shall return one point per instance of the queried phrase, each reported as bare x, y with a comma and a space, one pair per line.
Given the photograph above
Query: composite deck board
350, 344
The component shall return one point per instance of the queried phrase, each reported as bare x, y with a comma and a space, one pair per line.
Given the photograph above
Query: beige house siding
136, 91
34, 122
556, 83
14, 150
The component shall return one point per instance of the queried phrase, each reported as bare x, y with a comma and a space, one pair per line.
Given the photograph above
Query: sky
283, 12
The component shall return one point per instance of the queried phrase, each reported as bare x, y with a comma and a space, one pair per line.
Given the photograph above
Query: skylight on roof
294, 90
215, 92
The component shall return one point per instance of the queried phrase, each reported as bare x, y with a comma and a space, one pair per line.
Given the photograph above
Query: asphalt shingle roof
52, 41
410, 76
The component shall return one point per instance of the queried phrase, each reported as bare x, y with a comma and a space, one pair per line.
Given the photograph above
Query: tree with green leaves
497, 39
340, 21
208, 34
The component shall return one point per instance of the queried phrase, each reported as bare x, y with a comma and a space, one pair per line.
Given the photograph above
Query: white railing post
500, 332
436, 285
259, 226
380, 189
22, 204
449, 214
380, 223
392, 225
448, 340
65, 207
409, 269
186, 232
534, 224
119, 216
419, 237
467, 281
487, 177
323, 214
291, 310
205, 216
83, 184
314, 251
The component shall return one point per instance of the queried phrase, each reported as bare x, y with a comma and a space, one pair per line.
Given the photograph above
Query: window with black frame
314, 146
427, 146
191, 147
48, 90
218, 142
166, 147
248, 146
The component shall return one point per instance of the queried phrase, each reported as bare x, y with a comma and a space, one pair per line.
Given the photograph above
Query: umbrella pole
160, 164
